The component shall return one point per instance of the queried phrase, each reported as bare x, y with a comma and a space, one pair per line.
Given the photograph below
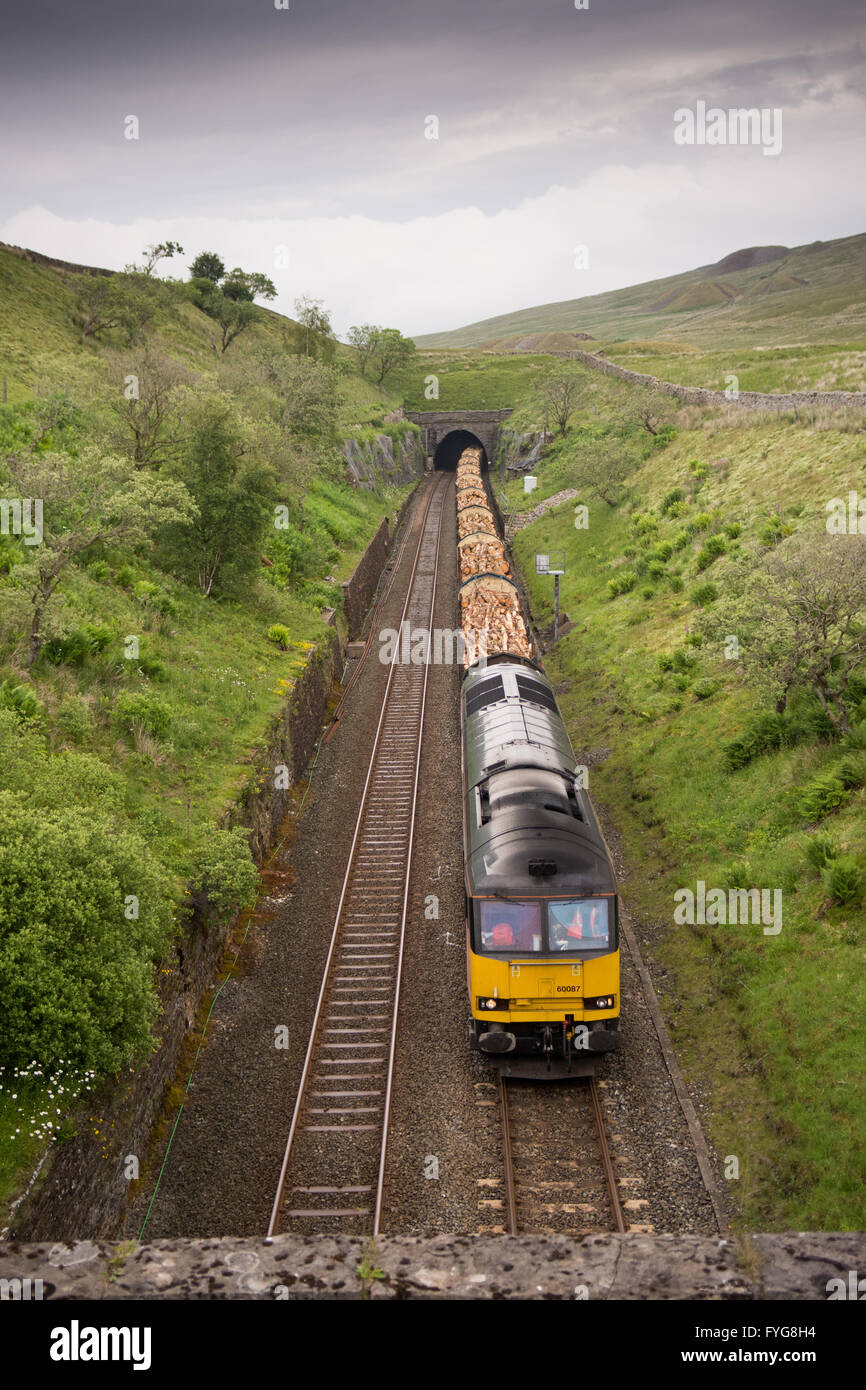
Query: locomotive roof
522, 803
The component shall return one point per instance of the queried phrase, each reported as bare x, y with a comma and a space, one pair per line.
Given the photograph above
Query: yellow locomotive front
544, 977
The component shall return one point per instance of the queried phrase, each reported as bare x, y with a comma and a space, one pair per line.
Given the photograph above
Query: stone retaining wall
372, 464
359, 589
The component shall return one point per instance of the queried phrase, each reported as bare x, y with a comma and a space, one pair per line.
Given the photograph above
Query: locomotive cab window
579, 924
510, 927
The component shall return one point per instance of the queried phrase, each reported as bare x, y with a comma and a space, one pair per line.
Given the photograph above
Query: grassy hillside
770, 1028
164, 652
808, 303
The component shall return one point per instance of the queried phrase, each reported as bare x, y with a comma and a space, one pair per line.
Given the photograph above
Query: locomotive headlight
603, 1001
490, 1004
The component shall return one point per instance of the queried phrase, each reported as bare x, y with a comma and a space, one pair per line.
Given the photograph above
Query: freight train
542, 930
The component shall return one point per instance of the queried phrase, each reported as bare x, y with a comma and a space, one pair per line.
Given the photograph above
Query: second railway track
333, 1169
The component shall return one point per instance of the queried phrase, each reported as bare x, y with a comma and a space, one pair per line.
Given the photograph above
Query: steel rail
377, 1217
606, 1159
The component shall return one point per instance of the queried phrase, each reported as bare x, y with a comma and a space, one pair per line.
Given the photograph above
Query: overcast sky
305, 128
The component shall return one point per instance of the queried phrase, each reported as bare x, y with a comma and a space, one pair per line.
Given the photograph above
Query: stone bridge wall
436, 424
596, 1268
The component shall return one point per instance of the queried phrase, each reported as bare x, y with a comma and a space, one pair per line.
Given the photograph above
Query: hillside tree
390, 352
363, 337
88, 498
207, 266
801, 620
219, 547
557, 395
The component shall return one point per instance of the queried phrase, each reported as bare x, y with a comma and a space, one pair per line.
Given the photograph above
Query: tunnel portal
449, 449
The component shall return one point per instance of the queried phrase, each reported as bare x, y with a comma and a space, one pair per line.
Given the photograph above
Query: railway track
333, 1167
559, 1173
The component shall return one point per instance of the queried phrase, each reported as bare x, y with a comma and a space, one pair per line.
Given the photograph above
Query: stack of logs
490, 613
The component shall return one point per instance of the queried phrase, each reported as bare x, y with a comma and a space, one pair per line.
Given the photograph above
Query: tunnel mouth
449, 449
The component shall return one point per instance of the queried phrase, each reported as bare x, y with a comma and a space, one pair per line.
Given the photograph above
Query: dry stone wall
701, 395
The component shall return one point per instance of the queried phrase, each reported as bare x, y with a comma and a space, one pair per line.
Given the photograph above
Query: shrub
151, 668
75, 719
697, 468
97, 636
709, 553
852, 770
655, 569
225, 871
76, 973
139, 709
706, 687
701, 522
694, 639
683, 660
71, 650
145, 590
775, 530
676, 583
647, 592
279, 633
666, 662
764, 732
823, 794
733, 529
681, 539
843, 880
98, 570
820, 849
738, 874
622, 583
20, 699
676, 509
704, 593
663, 551
856, 736
124, 577
670, 499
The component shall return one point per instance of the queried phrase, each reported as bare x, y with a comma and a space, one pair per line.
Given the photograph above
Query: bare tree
144, 406
557, 394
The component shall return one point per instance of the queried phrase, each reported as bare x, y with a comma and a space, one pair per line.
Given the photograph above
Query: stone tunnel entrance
449, 449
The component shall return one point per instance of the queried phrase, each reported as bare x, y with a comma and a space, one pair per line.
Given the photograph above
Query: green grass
771, 1028
467, 380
